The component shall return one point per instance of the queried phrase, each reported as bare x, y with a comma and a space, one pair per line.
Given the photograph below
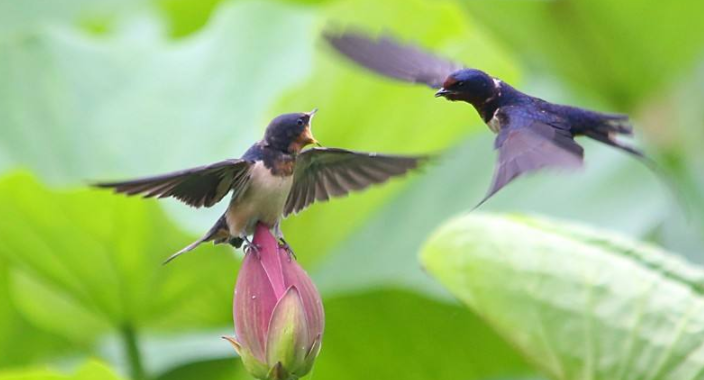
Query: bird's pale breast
494, 123
263, 201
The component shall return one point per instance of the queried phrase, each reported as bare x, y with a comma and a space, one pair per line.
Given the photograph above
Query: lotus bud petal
278, 312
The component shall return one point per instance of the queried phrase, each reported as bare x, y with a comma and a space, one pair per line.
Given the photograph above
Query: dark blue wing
527, 144
386, 56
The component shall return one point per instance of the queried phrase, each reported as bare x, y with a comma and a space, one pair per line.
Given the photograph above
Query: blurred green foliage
113, 89
620, 51
46, 237
89, 371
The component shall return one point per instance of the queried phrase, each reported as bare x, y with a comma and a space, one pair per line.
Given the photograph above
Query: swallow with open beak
274, 178
531, 133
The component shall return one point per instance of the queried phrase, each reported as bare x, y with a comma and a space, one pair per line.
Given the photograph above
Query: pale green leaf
22, 20
75, 107
578, 303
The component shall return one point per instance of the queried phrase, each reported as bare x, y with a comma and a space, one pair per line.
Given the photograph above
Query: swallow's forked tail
215, 232
619, 124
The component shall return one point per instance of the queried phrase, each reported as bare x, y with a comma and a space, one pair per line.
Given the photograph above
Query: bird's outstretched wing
388, 57
526, 144
197, 187
322, 173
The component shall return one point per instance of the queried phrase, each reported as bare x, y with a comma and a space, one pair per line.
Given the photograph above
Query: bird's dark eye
300, 122
459, 84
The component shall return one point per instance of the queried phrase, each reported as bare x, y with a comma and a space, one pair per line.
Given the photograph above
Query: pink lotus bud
278, 313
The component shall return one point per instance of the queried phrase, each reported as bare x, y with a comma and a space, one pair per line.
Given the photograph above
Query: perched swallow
274, 178
531, 133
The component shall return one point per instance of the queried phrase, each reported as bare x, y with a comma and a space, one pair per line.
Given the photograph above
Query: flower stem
132, 352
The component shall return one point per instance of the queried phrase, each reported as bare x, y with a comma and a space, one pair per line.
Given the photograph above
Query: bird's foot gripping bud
284, 244
250, 247
278, 313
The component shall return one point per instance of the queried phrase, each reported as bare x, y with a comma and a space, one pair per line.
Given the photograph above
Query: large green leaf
86, 263
390, 334
622, 51
74, 106
578, 303
218, 369
21, 20
20, 342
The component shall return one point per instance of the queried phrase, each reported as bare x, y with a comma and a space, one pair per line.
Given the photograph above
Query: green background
113, 89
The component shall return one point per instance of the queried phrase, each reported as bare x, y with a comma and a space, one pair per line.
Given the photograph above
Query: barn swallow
273, 179
531, 133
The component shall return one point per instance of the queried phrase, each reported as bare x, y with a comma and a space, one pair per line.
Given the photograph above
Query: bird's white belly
494, 123
263, 201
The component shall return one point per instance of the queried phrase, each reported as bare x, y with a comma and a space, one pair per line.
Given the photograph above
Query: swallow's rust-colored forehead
449, 82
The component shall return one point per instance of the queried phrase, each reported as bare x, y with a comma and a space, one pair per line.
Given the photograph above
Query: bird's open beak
308, 137
442, 92
307, 133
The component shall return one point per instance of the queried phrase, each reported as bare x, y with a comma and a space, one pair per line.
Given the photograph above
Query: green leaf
391, 334
219, 369
577, 302
92, 370
20, 342
187, 16
620, 51
86, 263
21, 20
75, 107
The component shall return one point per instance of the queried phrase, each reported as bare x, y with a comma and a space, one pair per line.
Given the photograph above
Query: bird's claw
251, 247
284, 244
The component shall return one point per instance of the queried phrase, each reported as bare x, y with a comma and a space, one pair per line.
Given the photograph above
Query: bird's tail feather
189, 248
608, 139
212, 234
619, 124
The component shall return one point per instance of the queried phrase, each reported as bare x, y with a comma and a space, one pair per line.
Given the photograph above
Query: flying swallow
273, 179
531, 133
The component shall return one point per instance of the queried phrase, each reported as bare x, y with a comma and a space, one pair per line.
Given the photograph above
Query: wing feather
323, 173
202, 186
388, 57
527, 144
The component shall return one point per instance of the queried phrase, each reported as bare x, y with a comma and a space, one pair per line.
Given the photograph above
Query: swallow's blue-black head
290, 132
470, 85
